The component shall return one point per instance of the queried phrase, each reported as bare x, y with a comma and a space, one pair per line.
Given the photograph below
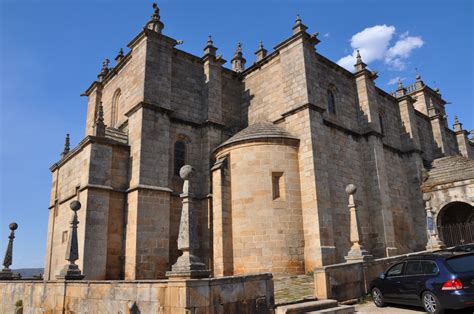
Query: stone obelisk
188, 264
71, 271
6, 272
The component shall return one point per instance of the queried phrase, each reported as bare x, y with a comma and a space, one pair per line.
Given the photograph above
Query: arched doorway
456, 223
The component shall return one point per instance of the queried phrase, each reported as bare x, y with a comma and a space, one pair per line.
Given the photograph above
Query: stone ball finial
186, 172
75, 205
426, 197
13, 226
351, 189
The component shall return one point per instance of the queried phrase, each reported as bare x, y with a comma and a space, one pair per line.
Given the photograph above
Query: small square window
64, 237
278, 186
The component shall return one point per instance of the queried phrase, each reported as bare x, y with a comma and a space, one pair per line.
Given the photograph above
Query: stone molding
148, 187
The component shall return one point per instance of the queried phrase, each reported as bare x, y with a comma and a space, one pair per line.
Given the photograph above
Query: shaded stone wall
266, 229
249, 294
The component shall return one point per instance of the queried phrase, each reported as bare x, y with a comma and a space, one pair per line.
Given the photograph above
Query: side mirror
382, 275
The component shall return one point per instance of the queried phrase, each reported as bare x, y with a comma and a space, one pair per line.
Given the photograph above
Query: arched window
179, 156
114, 109
331, 102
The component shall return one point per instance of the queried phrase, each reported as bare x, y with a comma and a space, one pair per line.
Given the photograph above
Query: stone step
306, 307
341, 309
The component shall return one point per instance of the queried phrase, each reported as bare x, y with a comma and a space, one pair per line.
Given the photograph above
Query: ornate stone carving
188, 264
434, 242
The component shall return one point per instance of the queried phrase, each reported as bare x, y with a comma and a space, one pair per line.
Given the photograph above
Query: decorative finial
358, 58
155, 24
71, 271
238, 61
299, 27
6, 272
99, 126
261, 52
457, 126
209, 41
104, 70
418, 76
66, 146
456, 119
359, 65
119, 56
210, 50
400, 84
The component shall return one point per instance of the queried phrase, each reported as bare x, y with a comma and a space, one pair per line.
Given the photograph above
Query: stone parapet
235, 294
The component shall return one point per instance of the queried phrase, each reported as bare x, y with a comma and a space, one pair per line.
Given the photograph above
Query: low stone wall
349, 281
236, 294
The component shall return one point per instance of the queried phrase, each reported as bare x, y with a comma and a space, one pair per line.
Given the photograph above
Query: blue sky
52, 50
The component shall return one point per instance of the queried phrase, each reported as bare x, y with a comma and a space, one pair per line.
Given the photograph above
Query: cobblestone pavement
294, 288
396, 309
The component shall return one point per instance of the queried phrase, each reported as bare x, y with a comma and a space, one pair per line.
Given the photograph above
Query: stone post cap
13, 226
186, 172
75, 205
351, 189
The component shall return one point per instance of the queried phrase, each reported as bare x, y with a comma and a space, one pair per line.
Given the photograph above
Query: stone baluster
6, 272
188, 264
434, 242
357, 253
71, 271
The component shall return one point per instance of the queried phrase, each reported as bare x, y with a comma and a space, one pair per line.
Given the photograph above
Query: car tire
378, 298
431, 303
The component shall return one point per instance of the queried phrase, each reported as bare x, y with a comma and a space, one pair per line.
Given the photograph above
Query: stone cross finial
6, 272
66, 146
188, 264
457, 126
299, 27
104, 70
434, 243
261, 52
238, 61
71, 271
357, 252
154, 23
99, 126
210, 49
119, 56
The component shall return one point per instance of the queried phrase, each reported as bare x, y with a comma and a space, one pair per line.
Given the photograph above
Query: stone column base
70, 272
6, 274
435, 245
188, 266
358, 256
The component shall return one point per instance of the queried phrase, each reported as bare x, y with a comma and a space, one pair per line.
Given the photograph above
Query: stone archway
455, 223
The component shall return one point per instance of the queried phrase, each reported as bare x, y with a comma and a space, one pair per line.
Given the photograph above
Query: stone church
273, 145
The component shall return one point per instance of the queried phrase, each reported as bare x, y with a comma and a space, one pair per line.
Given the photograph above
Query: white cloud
374, 44
326, 35
395, 80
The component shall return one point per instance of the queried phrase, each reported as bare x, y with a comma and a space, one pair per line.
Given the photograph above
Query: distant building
274, 146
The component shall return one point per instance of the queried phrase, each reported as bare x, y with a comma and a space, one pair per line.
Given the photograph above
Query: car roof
436, 255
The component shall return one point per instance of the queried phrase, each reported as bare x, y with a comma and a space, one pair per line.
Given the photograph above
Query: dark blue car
436, 281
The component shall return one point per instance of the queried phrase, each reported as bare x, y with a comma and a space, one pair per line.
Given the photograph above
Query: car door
391, 288
412, 281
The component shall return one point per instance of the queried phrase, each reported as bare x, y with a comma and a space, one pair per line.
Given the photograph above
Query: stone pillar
6, 272
357, 252
434, 242
71, 271
438, 127
261, 53
188, 264
462, 139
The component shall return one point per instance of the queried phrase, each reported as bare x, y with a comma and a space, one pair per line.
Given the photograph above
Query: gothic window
331, 102
179, 156
114, 109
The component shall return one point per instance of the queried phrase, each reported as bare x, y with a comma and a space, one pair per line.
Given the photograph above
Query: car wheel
431, 303
377, 296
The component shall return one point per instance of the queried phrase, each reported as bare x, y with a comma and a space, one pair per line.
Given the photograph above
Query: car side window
413, 268
395, 270
430, 267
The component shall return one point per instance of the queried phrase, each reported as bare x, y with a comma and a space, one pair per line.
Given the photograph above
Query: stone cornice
82, 144
147, 105
149, 187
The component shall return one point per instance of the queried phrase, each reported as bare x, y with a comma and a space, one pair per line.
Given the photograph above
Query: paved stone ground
396, 309
293, 289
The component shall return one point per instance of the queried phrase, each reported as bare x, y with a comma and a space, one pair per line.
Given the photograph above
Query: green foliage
19, 303
365, 299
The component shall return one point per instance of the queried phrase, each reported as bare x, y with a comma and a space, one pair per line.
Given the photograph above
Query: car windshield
461, 264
